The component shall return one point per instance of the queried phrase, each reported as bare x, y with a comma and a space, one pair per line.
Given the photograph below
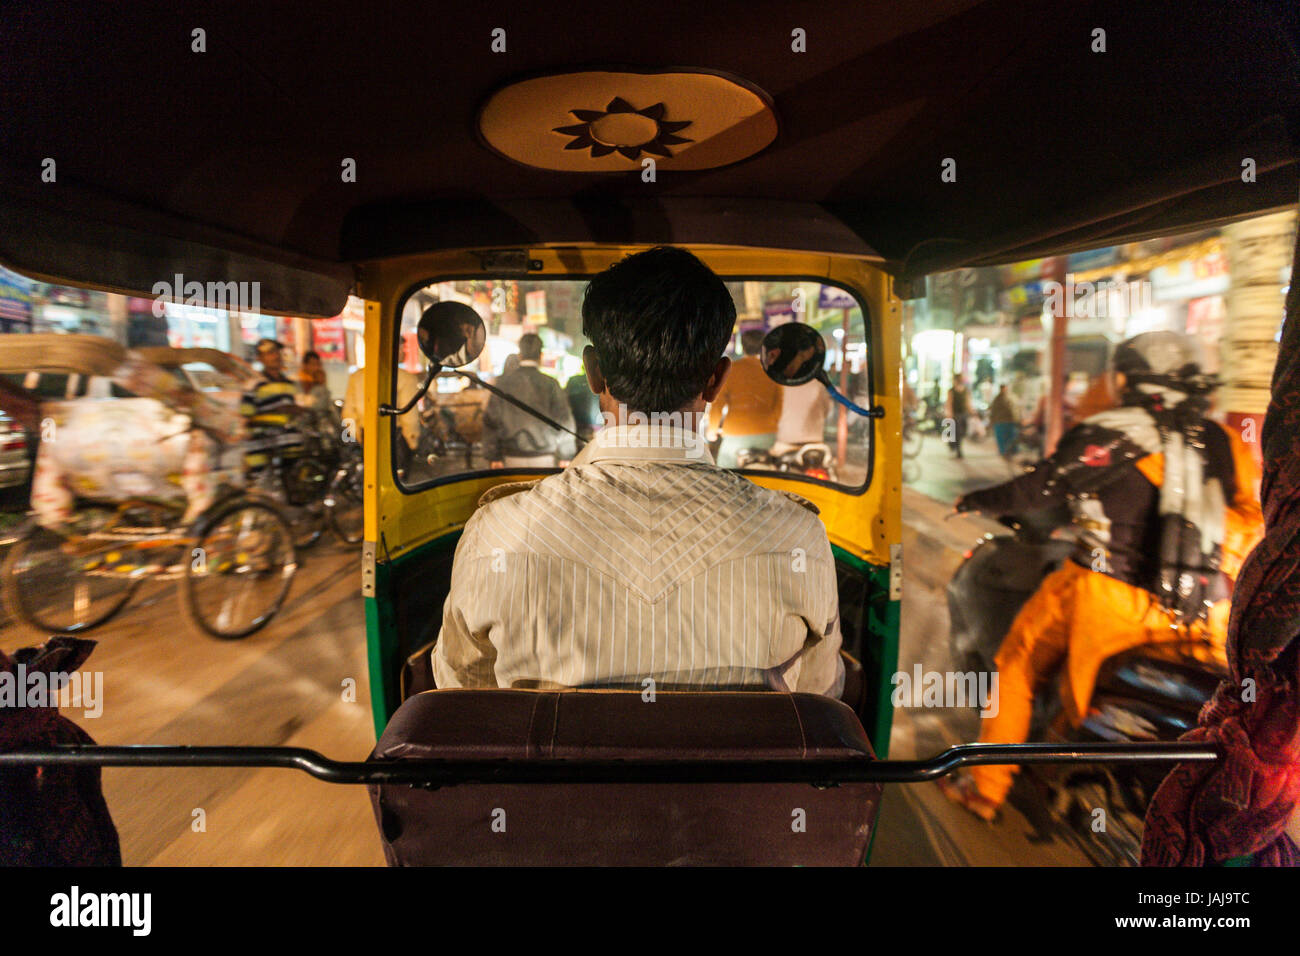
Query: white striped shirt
639, 562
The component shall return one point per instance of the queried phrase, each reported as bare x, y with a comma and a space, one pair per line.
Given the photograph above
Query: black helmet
1157, 361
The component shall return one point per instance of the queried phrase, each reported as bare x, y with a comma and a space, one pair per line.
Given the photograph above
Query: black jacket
1096, 471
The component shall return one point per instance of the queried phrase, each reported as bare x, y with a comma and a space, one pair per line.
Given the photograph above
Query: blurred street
165, 684
937, 474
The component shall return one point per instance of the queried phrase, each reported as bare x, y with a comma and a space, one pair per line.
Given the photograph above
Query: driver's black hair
659, 321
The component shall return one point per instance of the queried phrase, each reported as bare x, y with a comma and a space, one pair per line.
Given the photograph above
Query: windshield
533, 353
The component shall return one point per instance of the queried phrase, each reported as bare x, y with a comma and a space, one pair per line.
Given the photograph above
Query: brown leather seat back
624, 824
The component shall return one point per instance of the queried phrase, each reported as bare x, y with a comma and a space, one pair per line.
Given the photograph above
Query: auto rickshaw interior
837, 148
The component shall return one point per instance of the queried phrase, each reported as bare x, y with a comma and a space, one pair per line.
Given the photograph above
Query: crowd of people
989, 408
750, 412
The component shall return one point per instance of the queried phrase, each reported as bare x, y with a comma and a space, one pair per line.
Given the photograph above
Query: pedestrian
516, 438
269, 405
408, 425
1005, 419
584, 405
313, 392
958, 409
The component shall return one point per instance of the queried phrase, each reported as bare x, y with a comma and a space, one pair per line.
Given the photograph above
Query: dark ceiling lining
1053, 143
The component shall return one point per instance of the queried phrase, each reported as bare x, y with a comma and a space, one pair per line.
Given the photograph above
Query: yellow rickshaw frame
864, 525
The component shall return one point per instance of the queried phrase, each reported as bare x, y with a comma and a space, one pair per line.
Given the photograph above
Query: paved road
165, 684
919, 827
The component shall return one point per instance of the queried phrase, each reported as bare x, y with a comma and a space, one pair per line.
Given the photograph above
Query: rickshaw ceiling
284, 147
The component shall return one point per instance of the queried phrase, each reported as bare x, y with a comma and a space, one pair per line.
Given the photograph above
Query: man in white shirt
803, 417
643, 559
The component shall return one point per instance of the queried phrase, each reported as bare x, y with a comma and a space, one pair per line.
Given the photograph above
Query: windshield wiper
435, 369
519, 404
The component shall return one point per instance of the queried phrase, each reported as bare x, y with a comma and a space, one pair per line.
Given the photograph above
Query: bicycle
79, 565
296, 474
913, 440
234, 564
344, 498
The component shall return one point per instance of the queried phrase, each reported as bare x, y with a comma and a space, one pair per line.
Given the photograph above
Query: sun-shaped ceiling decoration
645, 115
622, 128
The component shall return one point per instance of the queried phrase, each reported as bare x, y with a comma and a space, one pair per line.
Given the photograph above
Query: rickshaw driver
1165, 501
644, 559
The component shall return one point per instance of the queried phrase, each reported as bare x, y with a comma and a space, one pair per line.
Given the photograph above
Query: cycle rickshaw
843, 181
315, 474
142, 483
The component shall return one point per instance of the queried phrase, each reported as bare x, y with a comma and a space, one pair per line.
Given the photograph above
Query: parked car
15, 453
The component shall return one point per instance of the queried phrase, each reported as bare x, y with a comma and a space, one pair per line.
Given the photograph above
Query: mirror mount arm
387, 409
875, 411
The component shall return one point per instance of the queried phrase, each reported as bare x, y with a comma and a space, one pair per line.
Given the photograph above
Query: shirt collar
528, 363
651, 442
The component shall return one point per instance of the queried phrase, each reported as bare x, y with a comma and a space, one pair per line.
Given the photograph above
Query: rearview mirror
451, 334
793, 353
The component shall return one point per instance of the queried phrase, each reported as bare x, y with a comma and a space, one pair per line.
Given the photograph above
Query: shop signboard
411, 358
327, 338
833, 297
1031, 331
535, 306
15, 298
253, 327
778, 313
1018, 273
1093, 259
1190, 279
65, 295
1022, 296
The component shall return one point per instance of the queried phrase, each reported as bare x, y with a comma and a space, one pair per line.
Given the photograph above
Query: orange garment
751, 400
1083, 618
1244, 527
1099, 397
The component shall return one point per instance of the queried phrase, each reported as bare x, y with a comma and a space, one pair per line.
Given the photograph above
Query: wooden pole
1054, 413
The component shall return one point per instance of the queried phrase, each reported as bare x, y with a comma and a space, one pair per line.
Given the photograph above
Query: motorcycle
1149, 693
812, 459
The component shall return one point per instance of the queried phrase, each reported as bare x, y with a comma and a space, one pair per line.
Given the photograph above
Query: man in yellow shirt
269, 405
354, 410
748, 409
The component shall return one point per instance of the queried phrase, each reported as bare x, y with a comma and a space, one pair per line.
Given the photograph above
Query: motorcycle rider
1166, 507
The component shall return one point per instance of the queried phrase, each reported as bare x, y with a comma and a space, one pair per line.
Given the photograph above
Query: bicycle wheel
912, 439
305, 483
241, 569
345, 505
63, 585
